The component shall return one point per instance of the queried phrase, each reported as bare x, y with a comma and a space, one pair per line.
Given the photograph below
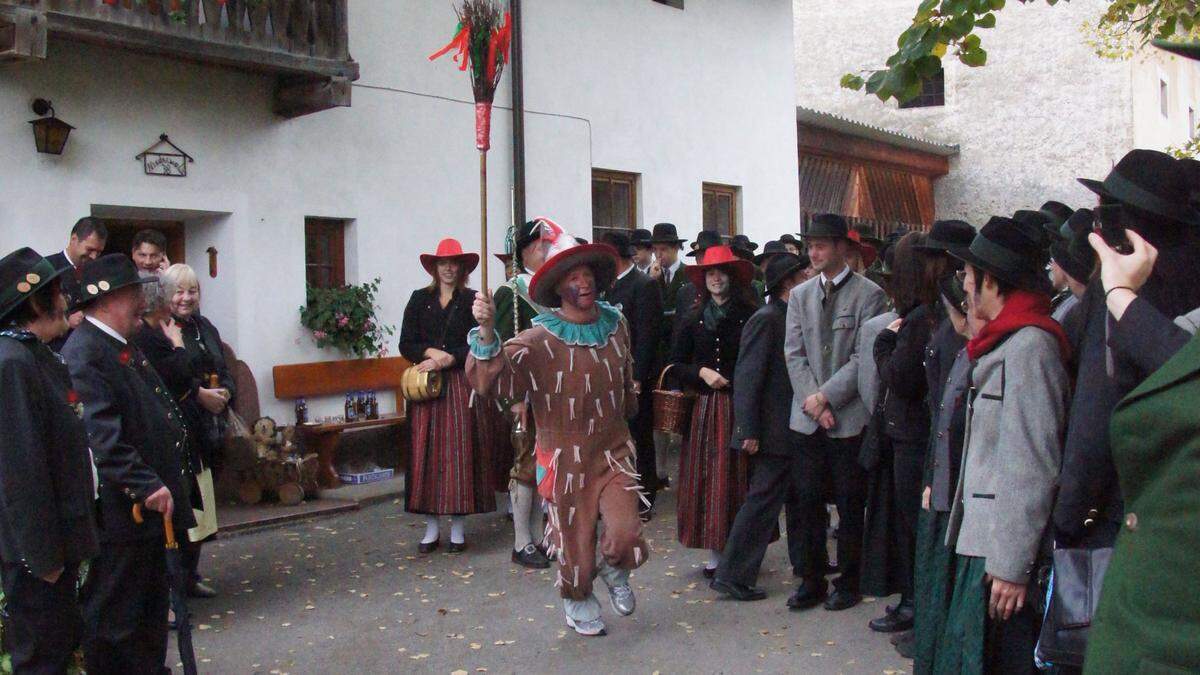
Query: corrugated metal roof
845, 125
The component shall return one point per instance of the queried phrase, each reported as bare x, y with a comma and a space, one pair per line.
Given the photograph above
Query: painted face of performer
717, 283
447, 272
578, 288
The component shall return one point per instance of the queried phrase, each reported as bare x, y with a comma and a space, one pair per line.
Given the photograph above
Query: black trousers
190, 553
641, 428
42, 623
836, 460
125, 601
908, 468
775, 481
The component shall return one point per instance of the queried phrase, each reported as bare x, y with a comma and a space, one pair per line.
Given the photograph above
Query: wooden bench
335, 378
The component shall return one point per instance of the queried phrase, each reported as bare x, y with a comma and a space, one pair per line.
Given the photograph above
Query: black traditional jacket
699, 345
136, 432
428, 324
47, 498
641, 303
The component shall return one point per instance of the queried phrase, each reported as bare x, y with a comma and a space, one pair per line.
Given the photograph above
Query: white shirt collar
68, 257
842, 275
675, 268
108, 330
629, 269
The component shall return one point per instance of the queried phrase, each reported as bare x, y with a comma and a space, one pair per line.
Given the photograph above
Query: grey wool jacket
821, 347
1016, 418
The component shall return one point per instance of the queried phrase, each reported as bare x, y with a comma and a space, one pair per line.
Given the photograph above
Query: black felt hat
22, 273
743, 247
641, 238
704, 241
620, 240
1012, 251
106, 275
781, 267
770, 250
827, 226
947, 235
1031, 217
1057, 212
1071, 250
790, 239
665, 233
1150, 181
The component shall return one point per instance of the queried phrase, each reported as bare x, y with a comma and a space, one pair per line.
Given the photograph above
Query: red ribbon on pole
461, 41
483, 126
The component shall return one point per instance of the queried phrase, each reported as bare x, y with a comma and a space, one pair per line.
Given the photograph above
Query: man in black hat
1072, 262
673, 282
643, 250
137, 434
1012, 453
792, 244
637, 296
515, 311
762, 402
47, 514
89, 236
825, 315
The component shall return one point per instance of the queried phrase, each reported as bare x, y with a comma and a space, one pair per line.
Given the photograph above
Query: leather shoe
736, 591
897, 638
893, 622
710, 572
842, 599
201, 590
531, 557
456, 548
806, 597
430, 547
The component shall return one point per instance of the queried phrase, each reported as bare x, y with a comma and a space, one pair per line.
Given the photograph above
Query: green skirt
973, 644
934, 585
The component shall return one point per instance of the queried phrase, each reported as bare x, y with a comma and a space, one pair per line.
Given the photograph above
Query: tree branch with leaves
952, 27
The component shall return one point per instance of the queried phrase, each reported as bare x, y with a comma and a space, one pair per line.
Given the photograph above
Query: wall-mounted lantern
49, 133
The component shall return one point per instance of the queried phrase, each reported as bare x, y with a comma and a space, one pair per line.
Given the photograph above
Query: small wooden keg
417, 386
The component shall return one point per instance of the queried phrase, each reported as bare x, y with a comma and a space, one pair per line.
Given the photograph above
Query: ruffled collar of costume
594, 334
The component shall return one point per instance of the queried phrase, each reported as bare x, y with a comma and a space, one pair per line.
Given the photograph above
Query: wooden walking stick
481, 42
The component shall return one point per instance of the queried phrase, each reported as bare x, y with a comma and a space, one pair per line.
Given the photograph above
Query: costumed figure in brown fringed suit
574, 369
712, 478
450, 470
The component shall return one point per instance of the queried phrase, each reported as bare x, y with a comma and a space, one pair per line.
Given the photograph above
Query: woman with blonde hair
212, 387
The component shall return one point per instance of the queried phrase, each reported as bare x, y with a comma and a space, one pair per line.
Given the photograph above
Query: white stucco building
679, 98
1043, 111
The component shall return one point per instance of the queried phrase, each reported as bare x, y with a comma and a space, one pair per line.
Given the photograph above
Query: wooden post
483, 233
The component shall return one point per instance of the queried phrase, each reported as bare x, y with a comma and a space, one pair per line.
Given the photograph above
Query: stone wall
1044, 110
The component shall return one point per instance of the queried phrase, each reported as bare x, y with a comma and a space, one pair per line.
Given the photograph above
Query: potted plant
344, 318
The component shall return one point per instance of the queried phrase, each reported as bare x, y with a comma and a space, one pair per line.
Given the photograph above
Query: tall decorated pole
481, 44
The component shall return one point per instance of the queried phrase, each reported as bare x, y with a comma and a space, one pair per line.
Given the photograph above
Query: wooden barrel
418, 386
671, 408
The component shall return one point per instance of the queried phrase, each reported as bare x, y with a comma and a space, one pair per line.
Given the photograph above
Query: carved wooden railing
305, 41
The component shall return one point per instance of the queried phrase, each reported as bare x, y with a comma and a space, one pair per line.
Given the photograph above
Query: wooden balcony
305, 43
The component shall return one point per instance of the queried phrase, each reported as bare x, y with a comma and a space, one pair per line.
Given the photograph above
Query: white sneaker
593, 628
622, 599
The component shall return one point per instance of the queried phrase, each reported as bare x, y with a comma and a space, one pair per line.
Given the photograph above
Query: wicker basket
671, 408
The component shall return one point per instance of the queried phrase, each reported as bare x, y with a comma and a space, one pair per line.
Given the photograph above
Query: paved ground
350, 594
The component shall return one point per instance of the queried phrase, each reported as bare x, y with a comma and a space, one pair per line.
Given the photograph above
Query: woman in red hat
712, 476
450, 469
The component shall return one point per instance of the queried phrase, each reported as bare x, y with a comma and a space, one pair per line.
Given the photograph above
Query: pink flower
319, 334
343, 321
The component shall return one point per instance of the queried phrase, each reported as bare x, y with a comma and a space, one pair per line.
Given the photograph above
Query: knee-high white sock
457, 526
522, 504
537, 530
714, 560
431, 530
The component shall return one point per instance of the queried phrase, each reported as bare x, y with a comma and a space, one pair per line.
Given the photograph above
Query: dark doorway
121, 232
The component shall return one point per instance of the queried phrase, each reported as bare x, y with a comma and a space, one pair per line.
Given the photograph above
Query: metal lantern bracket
172, 164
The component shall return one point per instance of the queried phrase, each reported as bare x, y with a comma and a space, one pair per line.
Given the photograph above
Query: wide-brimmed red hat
450, 249
724, 259
869, 252
563, 254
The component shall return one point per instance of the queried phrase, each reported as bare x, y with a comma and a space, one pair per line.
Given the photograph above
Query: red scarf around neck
1021, 309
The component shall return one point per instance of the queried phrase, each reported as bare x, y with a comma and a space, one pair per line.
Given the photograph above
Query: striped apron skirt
713, 478
450, 468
